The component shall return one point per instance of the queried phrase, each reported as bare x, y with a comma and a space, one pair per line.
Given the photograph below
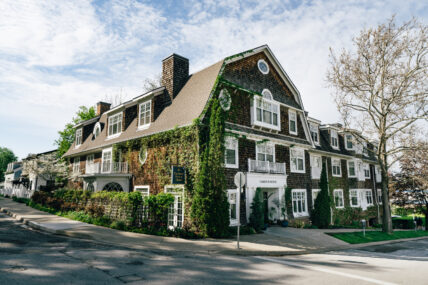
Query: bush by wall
257, 215
321, 214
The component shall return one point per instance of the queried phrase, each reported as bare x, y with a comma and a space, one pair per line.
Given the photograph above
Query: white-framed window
297, 160
316, 166
233, 209
334, 139
360, 167
338, 198
145, 115
106, 160
352, 172
263, 66
89, 160
115, 124
378, 174
231, 152
366, 170
314, 133
315, 193
349, 141
365, 149
79, 137
292, 121
353, 198
265, 151
336, 167
76, 165
369, 197
97, 130
266, 111
298, 197
379, 196
143, 189
176, 210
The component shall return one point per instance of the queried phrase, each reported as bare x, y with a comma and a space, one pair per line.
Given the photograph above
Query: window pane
230, 156
267, 117
259, 114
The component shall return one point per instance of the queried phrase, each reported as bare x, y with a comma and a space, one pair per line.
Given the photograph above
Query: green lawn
371, 236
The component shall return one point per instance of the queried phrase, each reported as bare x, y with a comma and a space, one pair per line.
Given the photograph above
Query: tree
149, 84
410, 186
321, 214
257, 218
6, 156
66, 136
210, 208
381, 89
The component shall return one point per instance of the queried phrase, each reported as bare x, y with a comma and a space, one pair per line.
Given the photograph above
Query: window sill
358, 206
341, 207
113, 136
300, 215
77, 146
298, 171
265, 125
352, 176
231, 166
337, 175
143, 127
335, 147
293, 133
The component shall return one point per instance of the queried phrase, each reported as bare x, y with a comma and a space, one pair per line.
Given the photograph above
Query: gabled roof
195, 93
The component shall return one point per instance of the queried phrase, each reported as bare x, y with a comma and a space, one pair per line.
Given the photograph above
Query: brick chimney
102, 107
175, 72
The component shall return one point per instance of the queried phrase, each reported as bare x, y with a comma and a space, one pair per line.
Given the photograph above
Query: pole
238, 202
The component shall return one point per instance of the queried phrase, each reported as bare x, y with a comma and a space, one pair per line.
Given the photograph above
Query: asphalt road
29, 256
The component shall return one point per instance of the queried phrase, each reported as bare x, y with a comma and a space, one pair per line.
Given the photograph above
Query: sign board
239, 179
178, 175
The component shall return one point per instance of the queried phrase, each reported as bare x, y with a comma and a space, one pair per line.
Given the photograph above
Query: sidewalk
274, 242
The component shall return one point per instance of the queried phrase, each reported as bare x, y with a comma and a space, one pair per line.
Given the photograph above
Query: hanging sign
178, 175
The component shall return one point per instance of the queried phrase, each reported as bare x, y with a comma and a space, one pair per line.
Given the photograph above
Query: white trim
366, 169
119, 123
371, 197
235, 142
379, 196
336, 137
333, 160
312, 124
145, 125
137, 187
267, 66
340, 196
79, 137
358, 198
110, 149
304, 203
292, 112
346, 141
267, 144
87, 159
273, 105
295, 169
355, 168
97, 127
315, 171
76, 165
233, 222
177, 195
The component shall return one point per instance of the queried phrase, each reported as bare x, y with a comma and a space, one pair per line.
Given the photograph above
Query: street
29, 256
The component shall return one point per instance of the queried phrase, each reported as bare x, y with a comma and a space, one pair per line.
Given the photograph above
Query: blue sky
58, 55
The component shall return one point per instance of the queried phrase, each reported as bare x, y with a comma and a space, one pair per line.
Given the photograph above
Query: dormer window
349, 142
314, 133
266, 111
145, 114
334, 139
78, 137
292, 119
97, 129
115, 124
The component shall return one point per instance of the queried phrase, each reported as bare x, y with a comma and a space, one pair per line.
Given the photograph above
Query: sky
58, 55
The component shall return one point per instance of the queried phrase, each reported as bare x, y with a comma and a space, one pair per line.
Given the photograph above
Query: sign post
239, 182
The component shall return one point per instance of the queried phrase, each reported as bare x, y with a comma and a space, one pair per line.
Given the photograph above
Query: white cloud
57, 55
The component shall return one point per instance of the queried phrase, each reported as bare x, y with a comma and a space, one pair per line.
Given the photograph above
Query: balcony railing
266, 166
106, 167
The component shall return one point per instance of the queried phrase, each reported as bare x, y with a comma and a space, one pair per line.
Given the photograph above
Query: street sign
178, 175
239, 179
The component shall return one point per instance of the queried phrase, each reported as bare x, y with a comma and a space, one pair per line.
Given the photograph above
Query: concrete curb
73, 234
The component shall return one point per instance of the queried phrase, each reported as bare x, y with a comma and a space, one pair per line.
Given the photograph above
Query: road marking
325, 270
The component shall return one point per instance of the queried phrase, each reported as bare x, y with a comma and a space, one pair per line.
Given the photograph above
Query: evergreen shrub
321, 214
257, 214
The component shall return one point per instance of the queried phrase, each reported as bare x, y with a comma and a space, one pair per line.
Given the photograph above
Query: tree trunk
386, 219
426, 217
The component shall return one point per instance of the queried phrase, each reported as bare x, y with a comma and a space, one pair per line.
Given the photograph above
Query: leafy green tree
257, 214
6, 156
66, 136
210, 209
322, 212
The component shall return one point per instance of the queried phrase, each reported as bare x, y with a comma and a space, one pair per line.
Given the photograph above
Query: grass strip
372, 236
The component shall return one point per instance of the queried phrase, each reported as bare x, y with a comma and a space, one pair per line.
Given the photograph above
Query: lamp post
363, 223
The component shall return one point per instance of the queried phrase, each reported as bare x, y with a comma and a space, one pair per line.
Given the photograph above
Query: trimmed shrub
322, 213
257, 217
